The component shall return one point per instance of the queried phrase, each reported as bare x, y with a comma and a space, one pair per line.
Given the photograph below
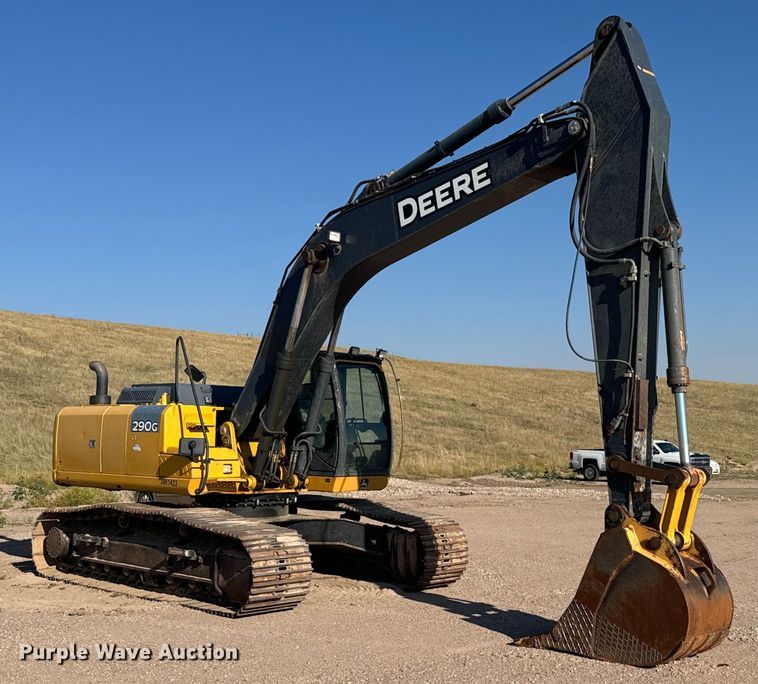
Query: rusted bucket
642, 601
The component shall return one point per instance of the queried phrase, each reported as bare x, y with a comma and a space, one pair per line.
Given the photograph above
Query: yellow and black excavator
266, 465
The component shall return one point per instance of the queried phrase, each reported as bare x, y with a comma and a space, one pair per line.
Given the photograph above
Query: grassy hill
460, 419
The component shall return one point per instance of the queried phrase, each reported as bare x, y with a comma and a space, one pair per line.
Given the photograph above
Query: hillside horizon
460, 419
346, 345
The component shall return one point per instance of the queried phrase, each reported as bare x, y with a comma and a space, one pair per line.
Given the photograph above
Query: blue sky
156, 148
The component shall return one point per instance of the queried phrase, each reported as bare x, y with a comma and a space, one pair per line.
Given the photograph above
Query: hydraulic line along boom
496, 113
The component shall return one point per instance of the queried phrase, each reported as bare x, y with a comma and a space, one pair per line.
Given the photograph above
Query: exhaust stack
101, 395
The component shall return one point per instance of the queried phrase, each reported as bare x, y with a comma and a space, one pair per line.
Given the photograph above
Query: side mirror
195, 373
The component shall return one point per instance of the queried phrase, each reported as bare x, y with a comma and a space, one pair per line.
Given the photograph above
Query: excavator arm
615, 139
651, 592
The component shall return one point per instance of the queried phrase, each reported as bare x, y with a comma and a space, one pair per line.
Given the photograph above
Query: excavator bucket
642, 601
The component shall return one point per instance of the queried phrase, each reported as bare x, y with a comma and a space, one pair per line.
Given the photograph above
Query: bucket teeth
642, 601
580, 632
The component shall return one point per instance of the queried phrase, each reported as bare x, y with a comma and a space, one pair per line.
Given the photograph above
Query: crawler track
217, 561
424, 551
202, 558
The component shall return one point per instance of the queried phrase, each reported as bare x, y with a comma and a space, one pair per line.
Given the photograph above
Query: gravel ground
529, 545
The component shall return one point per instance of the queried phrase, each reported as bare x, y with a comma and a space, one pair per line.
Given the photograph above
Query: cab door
353, 449
366, 427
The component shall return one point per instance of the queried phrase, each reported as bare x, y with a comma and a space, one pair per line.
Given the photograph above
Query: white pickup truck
591, 462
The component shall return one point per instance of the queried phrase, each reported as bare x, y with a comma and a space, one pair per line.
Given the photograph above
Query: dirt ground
529, 545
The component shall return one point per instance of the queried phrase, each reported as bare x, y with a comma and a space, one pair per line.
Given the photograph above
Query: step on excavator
265, 468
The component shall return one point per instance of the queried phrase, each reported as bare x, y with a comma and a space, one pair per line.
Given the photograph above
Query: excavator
267, 469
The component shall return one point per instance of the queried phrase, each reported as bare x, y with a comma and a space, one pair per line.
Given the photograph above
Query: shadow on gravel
22, 548
513, 623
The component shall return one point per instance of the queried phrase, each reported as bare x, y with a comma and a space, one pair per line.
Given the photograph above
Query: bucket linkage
651, 592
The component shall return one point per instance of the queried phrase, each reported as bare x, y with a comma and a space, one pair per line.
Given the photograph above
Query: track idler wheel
434, 554
642, 601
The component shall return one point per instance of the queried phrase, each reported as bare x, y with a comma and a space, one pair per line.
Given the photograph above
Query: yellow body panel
347, 484
136, 447
79, 439
95, 446
113, 440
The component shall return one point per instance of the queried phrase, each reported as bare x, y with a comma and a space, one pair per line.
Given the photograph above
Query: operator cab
353, 448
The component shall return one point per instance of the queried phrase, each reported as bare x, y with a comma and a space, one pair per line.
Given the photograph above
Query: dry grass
460, 420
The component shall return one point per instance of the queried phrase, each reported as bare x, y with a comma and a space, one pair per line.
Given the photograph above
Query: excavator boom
615, 139
624, 225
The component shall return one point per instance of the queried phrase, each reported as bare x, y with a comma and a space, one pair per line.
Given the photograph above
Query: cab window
367, 428
325, 443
